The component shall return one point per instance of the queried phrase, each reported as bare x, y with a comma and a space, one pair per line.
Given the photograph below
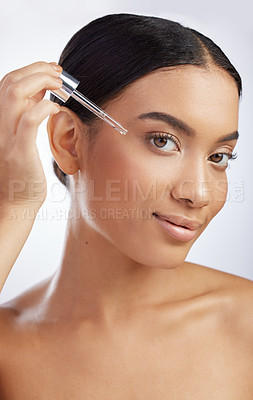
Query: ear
63, 134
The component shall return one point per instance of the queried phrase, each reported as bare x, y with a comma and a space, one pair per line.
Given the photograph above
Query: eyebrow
182, 126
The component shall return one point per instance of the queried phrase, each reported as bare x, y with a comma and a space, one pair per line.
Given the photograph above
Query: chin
163, 256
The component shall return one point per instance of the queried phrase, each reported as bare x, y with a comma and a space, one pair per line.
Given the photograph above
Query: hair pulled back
113, 51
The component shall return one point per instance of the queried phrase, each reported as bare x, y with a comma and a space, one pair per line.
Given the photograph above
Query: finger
29, 86
17, 99
39, 66
29, 122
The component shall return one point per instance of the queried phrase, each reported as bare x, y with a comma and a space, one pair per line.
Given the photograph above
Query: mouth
178, 227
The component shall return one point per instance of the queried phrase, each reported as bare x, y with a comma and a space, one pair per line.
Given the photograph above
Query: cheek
219, 195
122, 173
123, 194
124, 216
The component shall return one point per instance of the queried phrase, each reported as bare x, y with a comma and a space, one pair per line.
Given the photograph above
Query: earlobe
63, 135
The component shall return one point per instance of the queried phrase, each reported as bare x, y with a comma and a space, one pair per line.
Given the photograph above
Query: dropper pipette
68, 89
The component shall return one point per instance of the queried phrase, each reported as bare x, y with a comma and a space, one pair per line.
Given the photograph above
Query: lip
179, 227
182, 221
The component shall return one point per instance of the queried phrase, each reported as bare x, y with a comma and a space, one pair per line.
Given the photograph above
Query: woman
124, 316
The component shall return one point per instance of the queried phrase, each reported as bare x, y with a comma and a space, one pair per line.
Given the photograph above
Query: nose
192, 186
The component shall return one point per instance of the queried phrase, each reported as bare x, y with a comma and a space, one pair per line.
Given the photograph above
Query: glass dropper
68, 89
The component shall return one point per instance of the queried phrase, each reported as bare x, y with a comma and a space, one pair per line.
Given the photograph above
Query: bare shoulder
220, 280
18, 314
235, 295
8, 316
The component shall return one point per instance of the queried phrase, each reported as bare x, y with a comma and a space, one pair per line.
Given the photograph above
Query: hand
22, 109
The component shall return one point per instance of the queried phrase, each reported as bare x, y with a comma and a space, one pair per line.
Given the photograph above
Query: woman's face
181, 174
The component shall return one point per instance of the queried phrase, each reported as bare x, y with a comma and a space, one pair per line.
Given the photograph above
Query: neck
96, 280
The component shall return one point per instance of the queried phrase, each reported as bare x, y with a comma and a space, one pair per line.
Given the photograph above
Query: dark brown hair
113, 51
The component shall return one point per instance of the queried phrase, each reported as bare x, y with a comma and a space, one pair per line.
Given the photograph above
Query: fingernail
58, 80
57, 67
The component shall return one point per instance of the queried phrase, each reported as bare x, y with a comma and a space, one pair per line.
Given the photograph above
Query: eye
222, 158
164, 141
168, 142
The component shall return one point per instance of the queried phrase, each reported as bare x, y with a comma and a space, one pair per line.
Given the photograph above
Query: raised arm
22, 179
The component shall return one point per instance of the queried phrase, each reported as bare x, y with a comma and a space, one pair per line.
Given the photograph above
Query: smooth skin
124, 316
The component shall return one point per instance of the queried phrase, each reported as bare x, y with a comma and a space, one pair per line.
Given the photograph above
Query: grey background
31, 31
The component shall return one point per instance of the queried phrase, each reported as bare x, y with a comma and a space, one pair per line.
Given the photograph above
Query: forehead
189, 84
208, 96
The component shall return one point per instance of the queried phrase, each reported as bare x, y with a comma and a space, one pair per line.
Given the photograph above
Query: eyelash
148, 136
